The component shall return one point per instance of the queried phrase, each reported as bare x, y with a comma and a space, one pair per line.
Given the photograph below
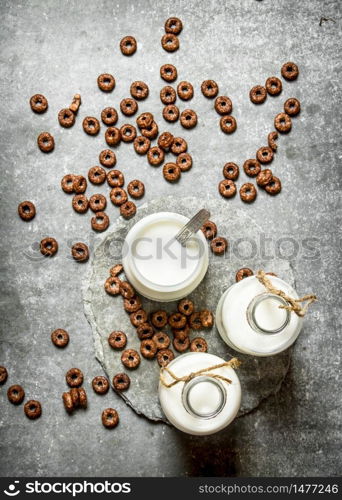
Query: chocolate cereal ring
195, 321
76, 103
209, 229
97, 175
106, 82
117, 340
289, 71
126, 290
128, 106
97, 202
161, 340
115, 178
128, 45
148, 348
67, 183
100, 221
186, 306
283, 123
74, 377
165, 140
60, 338
181, 344
116, 270
121, 382
75, 396
168, 95
144, 120
66, 118
141, 144
83, 400
136, 188
91, 125
15, 394
145, 331
164, 357
128, 132
258, 94
109, 116
139, 90
80, 203
26, 210
171, 113
198, 344
228, 124
130, 359
118, 196
128, 209
151, 131
68, 402
248, 192
112, 136
185, 91
170, 42
177, 320
231, 171
218, 246
271, 138
209, 88
173, 25
292, 106
251, 167
227, 188
159, 319
112, 285
110, 418
79, 184
273, 85
48, 247
223, 105
80, 252
184, 161
107, 158
207, 318
138, 317
132, 305
243, 273
3, 375
264, 177
33, 409
274, 187
100, 385
188, 118
38, 103
46, 142
168, 72
171, 172
178, 146
264, 154
155, 156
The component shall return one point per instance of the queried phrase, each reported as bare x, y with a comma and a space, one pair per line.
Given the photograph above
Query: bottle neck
204, 397
265, 314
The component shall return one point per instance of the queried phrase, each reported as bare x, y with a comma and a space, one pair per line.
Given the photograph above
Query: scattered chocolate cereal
130, 359
106, 82
26, 210
128, 45
100, 385
80, 252
33, 409
218, 246
242, 273
46, 142
248, 193
74, 377
15, 394
91, 125
48, 247
121, 382
110, 418
60, 338
39, 103
117, 340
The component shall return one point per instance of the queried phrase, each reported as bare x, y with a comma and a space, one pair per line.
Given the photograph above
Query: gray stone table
58, 49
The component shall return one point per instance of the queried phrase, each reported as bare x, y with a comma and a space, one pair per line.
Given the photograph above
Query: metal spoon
192, 226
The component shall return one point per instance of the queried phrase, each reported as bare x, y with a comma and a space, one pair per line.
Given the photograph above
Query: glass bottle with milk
205, 403
253, 321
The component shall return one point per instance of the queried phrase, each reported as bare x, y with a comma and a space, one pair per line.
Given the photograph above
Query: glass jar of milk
250, 320
157, 265
203, 405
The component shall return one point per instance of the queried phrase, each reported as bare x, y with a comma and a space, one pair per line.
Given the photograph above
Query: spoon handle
192, 226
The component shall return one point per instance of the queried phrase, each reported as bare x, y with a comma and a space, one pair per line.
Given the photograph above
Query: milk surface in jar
204, 404
157, 265
253, 321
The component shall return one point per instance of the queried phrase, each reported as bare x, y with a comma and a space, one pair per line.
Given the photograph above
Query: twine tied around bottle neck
294, 304
232, 363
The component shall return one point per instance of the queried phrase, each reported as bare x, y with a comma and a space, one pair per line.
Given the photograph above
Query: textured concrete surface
59, 49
